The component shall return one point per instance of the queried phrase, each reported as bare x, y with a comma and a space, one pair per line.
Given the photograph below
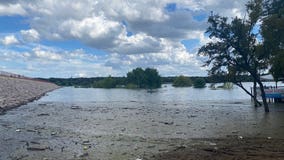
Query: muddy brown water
76, 123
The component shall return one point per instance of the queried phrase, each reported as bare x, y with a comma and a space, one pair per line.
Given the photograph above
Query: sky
89, 38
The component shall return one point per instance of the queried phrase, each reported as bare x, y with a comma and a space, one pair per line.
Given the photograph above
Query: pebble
212, 144
86, 141
36, 148
75, 107
43, 114
151, 146
84, 155
235, 131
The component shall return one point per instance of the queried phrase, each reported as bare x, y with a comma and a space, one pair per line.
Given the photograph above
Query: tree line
139, 78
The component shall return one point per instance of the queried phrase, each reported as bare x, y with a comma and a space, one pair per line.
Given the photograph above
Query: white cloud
30, 35
97, 32
181, 61
45, 61
99, 23
43, 54
134, 34
10, 40
228, 8
136, 44
11, 9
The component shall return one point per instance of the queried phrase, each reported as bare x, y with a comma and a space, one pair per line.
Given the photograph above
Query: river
128, 124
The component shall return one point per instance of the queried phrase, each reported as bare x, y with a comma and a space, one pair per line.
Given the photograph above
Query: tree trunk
266, 109
252, 96
255, 94
256, 78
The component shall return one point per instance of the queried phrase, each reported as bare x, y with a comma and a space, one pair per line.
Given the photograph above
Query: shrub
199, 83
148, 78
182, 81
108, 82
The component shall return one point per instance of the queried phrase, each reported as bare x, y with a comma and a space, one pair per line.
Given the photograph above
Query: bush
148, 78
108, 82
131, 86
182, 81
199, 83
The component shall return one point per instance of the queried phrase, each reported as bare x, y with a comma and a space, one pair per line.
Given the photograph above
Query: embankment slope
18, 91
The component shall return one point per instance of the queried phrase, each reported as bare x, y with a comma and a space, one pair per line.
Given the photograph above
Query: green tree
148, 78
234, 49
182, 81
137, 77
272, 30
108, 82
199, 83
152, 78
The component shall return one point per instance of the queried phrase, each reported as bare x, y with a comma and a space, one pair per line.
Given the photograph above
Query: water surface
129, 124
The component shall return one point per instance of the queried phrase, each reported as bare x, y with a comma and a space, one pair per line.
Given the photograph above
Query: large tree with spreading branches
235, 49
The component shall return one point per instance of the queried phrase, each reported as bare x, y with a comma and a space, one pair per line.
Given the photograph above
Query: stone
43, 114
75, 107
84, 155
36, 148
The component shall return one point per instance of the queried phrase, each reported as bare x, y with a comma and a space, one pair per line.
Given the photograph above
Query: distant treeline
116, 82
211, 79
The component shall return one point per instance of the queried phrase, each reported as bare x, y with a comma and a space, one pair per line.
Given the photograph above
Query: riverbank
15, 92
73, 123
81, 124
230, 148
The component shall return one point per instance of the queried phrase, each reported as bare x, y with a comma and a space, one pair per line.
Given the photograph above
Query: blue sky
68, 38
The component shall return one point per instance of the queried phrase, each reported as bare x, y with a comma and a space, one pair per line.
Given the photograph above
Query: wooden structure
272, 93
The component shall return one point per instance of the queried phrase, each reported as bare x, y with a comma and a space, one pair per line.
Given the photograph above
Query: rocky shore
18, 91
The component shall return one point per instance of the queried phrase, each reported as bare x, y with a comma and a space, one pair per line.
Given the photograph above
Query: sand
18, 91
227, 149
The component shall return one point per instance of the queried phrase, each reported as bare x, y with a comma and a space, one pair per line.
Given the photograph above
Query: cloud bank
119, 35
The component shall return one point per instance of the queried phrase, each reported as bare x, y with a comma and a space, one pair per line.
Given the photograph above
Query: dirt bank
18, 91
227, 149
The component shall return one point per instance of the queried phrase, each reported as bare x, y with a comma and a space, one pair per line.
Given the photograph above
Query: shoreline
229, 148
16, 92
64, 126
7, 108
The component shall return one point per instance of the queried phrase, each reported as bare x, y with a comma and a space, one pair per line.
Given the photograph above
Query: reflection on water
165, 94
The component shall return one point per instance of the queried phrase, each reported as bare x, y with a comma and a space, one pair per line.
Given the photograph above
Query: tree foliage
199, 83
108, 82
234, 50
272, 30
148, 78
182, 81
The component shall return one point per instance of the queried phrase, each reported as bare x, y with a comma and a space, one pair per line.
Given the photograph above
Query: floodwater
79, 123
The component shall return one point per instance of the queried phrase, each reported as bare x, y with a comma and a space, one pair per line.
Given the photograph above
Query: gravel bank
16, 91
